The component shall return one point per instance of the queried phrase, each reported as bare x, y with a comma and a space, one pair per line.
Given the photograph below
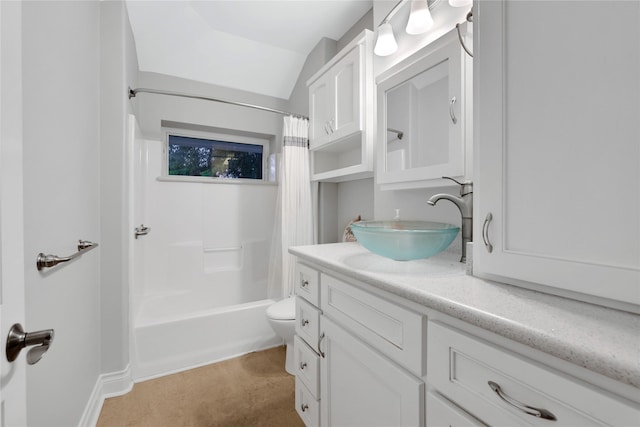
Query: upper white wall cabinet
424, 126
341, 114
557, 187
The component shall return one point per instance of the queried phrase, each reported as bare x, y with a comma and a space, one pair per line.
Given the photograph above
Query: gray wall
336, 202
320, 55
119, 70
413, 203
153, 109
354, 198
364, 23
62, 202
78, 59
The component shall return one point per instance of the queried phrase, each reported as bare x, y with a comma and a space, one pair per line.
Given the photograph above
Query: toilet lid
283, 310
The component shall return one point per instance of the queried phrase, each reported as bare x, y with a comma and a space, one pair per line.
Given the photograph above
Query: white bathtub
174, 332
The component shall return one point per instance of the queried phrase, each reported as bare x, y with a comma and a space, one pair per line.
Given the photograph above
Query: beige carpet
251, 390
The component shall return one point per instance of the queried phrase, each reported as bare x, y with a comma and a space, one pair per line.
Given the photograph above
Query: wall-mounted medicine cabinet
424, 117
341, 114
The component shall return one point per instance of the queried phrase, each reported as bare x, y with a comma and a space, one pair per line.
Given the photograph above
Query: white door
12, 304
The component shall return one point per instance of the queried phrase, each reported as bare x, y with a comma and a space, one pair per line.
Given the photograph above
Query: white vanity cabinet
501, 387
341, 114
370, 354
442, 412
424, 117
557, 178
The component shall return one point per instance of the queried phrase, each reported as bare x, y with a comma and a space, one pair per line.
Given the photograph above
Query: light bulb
420, 19
386, 43
460, 3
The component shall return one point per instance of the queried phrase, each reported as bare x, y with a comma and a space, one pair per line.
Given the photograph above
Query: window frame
213, 136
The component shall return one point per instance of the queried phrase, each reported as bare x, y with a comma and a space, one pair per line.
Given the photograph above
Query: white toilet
282, 318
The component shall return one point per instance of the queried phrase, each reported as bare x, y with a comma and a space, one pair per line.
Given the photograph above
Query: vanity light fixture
386, 42
460, 3
420, 19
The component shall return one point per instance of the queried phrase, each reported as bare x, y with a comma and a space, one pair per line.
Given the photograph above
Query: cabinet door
558, 158
346, 79
320, 112
421, 117
441, 412
360, 387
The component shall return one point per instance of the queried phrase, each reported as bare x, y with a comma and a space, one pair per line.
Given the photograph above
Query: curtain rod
134, 92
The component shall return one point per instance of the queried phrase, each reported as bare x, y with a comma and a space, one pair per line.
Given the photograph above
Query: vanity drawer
307, 322
307, 366
307, 406
462, 366
307, 283
391, 329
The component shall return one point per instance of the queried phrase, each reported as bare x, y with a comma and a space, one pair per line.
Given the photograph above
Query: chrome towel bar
45, 261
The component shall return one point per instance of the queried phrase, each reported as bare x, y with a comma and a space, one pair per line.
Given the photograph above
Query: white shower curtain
294, 219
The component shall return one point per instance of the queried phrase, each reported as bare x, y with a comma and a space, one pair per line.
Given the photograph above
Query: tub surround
599, 339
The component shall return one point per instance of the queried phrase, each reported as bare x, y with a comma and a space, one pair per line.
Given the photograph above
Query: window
203, 154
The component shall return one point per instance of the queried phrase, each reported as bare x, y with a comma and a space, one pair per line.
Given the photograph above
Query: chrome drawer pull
320, 341
485, 232
304, 283
304, 322
536, 412
304, 407
303, 365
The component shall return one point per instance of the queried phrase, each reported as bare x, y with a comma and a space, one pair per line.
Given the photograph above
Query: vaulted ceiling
258, 46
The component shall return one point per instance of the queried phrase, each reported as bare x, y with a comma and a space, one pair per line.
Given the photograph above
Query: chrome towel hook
141, 231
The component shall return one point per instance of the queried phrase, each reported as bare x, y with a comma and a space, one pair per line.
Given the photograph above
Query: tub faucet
465, 204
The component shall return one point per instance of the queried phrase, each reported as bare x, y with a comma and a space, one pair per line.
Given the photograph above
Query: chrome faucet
465, 204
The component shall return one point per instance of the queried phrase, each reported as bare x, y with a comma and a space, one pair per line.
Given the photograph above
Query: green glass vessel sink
405, 240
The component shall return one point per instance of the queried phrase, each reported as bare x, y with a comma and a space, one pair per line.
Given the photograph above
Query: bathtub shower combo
199, 278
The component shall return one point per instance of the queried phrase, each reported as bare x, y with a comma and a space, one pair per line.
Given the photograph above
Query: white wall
61, 66
188, 219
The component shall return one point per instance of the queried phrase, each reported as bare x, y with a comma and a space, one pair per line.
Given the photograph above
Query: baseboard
167, 366
107, 385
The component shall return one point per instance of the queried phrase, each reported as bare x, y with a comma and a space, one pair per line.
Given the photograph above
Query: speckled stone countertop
597, 338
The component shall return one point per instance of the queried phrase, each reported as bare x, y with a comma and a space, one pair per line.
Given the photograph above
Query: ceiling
258, 46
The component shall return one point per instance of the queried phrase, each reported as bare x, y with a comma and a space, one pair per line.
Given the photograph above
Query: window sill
208, 180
